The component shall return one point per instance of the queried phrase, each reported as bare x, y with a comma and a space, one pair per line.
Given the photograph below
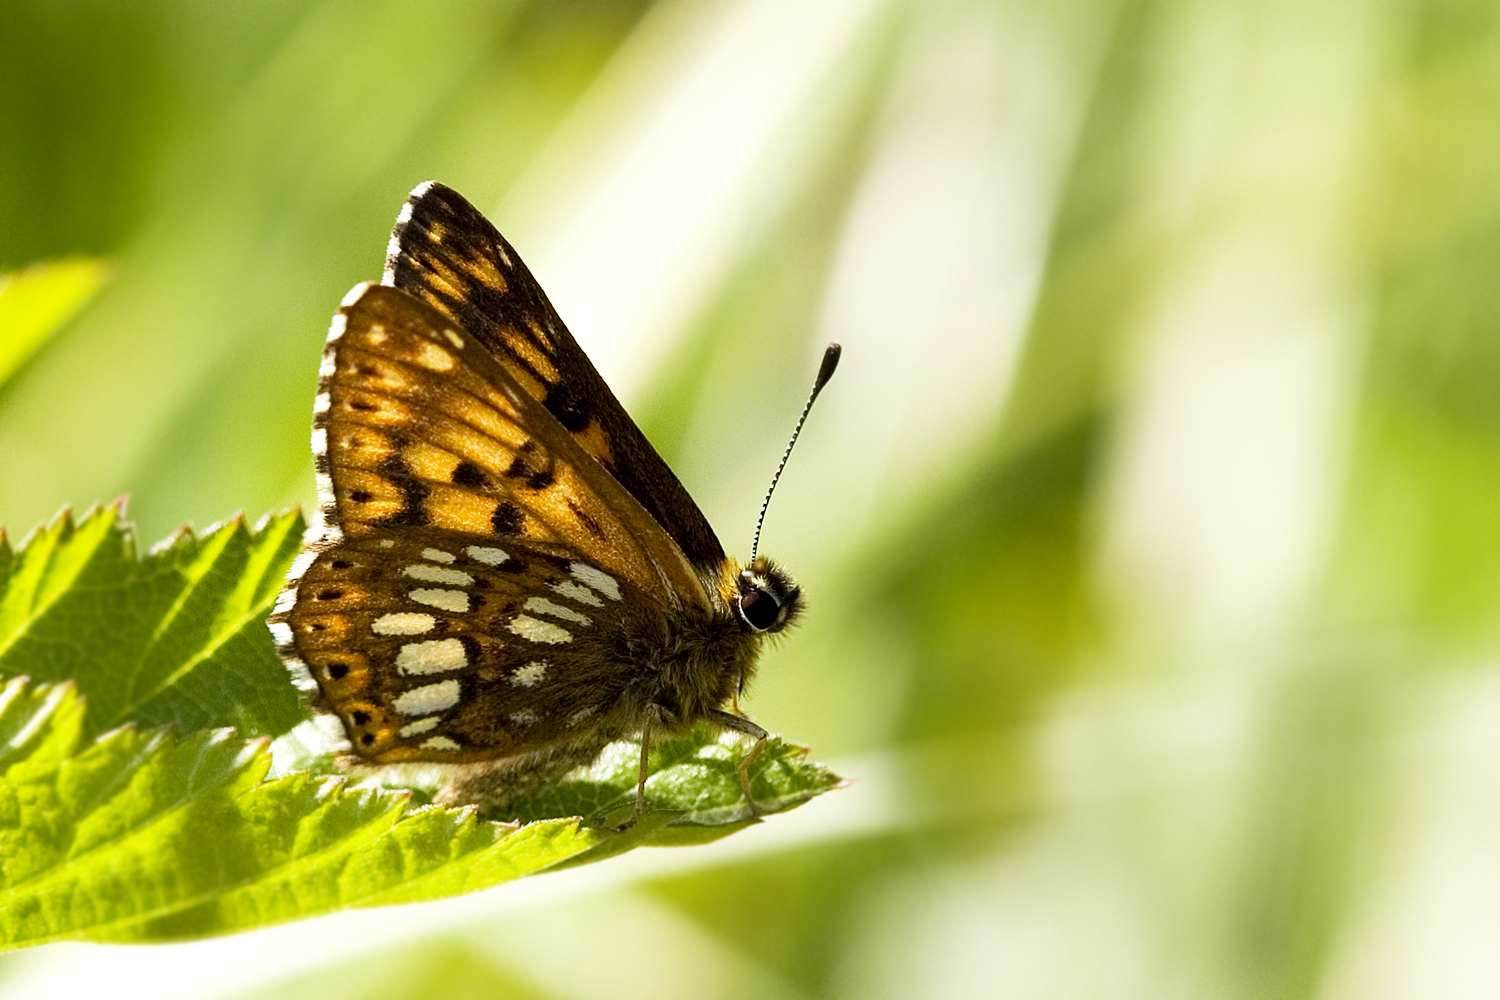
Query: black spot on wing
468, 474
535, 479
568, 405
413, 492
507, 519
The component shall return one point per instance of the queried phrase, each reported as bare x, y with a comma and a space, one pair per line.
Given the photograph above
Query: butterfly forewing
449, 255
420, 427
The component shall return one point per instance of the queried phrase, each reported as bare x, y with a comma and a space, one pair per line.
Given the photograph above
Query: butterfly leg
640, 785
740, 724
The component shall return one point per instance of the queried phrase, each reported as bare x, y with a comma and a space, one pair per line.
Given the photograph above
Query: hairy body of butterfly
509, 577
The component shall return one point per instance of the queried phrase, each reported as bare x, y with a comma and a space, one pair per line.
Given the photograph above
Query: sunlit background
1151, 527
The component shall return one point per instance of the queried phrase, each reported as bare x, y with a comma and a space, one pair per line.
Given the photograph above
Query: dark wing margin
444, 251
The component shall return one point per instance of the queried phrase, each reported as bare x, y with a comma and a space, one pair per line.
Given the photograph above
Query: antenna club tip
830, 362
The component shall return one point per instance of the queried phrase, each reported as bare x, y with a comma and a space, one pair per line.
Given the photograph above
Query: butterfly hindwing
434, 645
449, 255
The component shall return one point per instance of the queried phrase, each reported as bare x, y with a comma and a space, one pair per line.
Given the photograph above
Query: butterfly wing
478, 568
446, 253
417, 425
433, 645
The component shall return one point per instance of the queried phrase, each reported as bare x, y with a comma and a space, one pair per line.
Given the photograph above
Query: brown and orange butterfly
509, 577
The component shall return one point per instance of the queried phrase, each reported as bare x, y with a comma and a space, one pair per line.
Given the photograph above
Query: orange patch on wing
356, 678
384, 498
530, 355
427, 461
594, 441
483, 270
370, 409
528, 382
444, 277
357, 446
460, 510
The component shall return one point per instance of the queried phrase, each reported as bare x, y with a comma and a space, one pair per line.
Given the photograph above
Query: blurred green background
1151, 527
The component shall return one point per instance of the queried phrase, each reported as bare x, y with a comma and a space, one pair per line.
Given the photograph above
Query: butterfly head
768, 599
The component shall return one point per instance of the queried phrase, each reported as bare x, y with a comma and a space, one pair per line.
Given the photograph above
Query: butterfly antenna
825, 372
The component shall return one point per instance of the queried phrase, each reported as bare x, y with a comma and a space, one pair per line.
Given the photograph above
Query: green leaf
138, 835
141, 838
694, 779
175, 636
36, 302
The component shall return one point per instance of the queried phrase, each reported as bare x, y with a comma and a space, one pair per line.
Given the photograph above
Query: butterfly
509, 577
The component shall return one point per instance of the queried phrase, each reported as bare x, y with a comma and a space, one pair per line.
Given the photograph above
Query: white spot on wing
321, 403
530, 675
536, 630
281, 632
525, 717
455, 601
454, 338
433, 357
419, 727
438, 574
436, 656
439, 743
598, 579
577, 592
427, 699
319, 440
542, 606
403, 623
487, 555
438, 555
386, 543
580, 715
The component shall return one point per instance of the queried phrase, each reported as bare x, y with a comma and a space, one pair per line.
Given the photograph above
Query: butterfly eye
759, 609
768, 600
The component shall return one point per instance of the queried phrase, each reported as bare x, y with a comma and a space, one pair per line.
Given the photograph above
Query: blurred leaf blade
35, 303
